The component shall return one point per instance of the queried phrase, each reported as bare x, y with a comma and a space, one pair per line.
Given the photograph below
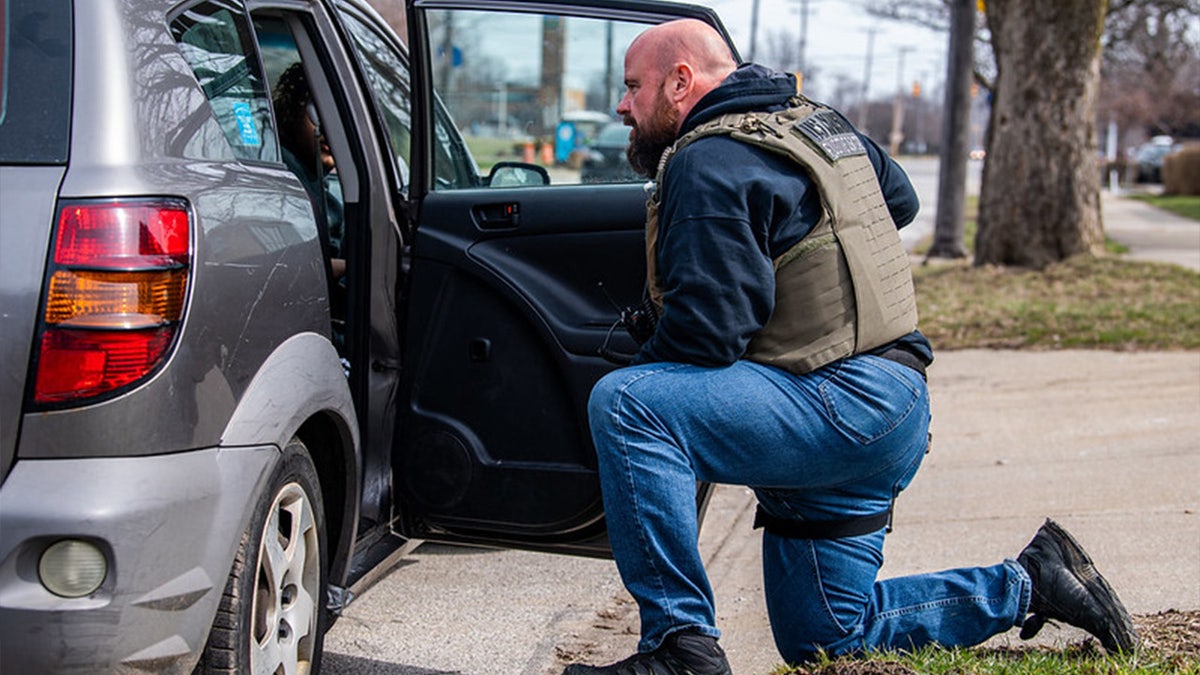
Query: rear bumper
169, 526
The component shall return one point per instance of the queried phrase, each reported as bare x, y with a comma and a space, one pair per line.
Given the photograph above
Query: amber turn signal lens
115, 299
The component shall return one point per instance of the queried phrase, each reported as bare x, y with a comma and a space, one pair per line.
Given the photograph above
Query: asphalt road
461, 610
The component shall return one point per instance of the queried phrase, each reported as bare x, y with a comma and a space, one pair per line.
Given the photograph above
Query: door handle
502, 216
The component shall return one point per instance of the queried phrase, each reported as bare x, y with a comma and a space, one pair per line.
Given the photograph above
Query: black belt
822, 529
904, 357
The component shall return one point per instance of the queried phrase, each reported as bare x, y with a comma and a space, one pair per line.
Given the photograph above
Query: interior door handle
502, 216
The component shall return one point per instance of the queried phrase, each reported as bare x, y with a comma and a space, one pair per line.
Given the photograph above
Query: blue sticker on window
247, 129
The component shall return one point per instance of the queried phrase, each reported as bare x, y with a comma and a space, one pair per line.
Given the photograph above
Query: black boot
682, 653
1067, 588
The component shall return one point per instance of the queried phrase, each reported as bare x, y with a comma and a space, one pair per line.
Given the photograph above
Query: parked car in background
606, 161
266, 325
1148, 159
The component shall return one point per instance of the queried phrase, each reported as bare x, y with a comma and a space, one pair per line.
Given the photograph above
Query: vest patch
832, 134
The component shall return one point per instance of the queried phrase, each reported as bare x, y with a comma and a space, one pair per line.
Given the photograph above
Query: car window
35, 81
389, 79
303, 147
534, 88
215, 38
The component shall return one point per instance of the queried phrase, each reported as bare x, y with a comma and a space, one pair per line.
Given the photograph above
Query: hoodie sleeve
713, 252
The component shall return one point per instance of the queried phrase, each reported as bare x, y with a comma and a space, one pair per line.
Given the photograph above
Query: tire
271, 619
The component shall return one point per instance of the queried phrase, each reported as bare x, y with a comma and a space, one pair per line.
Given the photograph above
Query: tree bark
1040, 197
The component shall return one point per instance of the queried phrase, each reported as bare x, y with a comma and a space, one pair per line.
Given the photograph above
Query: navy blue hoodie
727, 210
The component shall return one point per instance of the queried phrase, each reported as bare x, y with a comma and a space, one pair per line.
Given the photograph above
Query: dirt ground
1171, 633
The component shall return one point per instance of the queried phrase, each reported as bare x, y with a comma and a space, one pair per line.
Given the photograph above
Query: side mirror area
517, 174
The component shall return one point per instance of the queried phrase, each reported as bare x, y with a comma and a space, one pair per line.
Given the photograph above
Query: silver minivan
266, 323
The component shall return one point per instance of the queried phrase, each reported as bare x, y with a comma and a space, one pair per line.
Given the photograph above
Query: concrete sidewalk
1151, 233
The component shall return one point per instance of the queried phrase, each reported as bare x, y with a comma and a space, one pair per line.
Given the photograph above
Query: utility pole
446, 56
609, 75
550, 90
949, 225
802, 64
920, 111
866, 83
897, 134
753, 29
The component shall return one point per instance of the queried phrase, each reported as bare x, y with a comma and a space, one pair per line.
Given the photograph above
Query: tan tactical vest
846, 287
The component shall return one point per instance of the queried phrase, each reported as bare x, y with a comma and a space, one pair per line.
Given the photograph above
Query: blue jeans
839, 442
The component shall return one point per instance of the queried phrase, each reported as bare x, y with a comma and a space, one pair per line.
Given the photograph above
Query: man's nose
623, 105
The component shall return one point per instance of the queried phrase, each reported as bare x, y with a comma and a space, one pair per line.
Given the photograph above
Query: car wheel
271, 618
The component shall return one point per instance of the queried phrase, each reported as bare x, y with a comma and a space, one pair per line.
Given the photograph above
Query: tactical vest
846, 287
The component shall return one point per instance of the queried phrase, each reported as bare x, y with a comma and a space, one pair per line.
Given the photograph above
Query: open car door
516, 271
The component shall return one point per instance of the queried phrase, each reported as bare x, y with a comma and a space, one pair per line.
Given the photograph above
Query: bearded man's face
652, 135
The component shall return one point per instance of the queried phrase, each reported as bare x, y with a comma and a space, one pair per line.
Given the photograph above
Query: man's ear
679, 82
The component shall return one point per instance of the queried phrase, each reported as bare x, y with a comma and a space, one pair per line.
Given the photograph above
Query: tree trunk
1040, 198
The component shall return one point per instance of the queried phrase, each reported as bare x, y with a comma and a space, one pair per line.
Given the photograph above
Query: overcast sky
837, 41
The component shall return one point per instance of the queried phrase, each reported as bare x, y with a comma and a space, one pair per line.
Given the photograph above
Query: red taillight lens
122, 235
115, 293
78, 363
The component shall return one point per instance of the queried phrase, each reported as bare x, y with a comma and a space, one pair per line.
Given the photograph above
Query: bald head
686, 41
668, 69
688, 58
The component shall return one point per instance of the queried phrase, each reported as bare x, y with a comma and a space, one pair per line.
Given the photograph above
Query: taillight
115, 295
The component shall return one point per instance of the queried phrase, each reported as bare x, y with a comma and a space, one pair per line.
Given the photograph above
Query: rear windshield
35, 81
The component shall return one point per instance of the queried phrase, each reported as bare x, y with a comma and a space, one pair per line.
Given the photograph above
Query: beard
651, 138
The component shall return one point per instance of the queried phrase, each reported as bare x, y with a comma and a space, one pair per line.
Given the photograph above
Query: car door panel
512, 294
574, 271
505, 330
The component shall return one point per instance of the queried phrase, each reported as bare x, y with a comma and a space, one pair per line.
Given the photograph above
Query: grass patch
1170, 646
1075, 660
1187, 206
1082, 303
